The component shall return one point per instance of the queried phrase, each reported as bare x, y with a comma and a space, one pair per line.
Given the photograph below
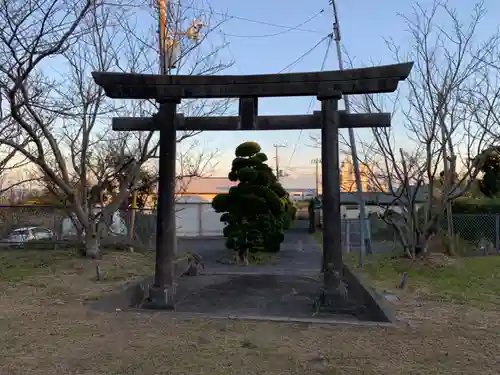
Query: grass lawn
46, 329
472, 280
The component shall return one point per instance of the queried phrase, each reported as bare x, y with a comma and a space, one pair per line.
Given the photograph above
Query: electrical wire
288, 28
311, 103
305, 54
259, 22
292, 28
291, 65
246, 19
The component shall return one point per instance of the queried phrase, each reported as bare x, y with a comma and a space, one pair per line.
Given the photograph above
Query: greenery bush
258, 209
476, 206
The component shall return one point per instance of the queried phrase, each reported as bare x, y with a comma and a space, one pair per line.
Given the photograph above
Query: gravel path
299, 254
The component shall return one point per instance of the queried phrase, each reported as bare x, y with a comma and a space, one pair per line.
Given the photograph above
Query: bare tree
447, 133
62, 117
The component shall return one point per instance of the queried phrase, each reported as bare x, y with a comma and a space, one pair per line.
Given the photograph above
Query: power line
292, 28
311, 103
246, 19
107, 117
301, 57
288, 28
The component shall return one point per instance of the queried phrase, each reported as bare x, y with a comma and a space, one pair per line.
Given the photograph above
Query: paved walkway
299, 254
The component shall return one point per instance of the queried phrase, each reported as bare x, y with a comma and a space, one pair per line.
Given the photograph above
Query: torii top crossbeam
370, 80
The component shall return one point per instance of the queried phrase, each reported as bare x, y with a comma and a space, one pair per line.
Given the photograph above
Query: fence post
347, 235
200, 219
497, 232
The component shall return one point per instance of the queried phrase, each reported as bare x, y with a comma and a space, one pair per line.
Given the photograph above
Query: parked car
20, 236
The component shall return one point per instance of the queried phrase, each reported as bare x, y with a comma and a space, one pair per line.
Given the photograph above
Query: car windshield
19, 233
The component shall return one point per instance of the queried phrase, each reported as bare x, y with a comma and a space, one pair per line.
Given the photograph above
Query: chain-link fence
193, 219
22, 224
382, 236
472, 234
17, 217
477, 232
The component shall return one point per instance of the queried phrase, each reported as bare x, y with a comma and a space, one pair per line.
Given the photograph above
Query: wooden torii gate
327, 86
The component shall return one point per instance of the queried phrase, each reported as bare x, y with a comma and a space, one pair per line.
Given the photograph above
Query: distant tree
489, 184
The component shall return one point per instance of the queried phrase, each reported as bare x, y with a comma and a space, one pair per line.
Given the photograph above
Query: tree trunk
97, 230
92, 242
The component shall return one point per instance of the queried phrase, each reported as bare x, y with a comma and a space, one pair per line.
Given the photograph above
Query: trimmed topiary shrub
258, 209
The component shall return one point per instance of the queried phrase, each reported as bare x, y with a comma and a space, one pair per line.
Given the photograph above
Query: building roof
214, 185
204, 185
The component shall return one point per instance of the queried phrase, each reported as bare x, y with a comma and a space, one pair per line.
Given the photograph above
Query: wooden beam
231, 123
248, 110
362, 120
353, 81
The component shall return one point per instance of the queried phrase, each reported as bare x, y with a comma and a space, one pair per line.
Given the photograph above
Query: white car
26, 234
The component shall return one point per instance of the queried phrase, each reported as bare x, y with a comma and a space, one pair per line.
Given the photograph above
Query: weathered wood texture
248, 111
353, 81
290, 122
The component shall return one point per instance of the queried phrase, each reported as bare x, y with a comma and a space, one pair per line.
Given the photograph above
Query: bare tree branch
57, 118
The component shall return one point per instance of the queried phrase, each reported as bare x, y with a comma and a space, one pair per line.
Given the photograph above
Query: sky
364, 26
258, 47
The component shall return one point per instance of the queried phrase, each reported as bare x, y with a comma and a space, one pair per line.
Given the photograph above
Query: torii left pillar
162, 292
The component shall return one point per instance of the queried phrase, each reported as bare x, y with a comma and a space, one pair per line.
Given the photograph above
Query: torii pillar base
160, 298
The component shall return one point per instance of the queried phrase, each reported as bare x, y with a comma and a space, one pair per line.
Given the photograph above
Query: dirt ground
45, 329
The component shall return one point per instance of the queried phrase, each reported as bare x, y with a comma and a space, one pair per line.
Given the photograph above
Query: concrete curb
379, 309
265, 318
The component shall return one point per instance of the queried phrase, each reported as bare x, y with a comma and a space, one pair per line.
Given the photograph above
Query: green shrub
476, 206
258, 209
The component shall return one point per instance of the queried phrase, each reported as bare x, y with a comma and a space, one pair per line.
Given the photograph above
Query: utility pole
278, 172
317, 163
162, 31
363, 231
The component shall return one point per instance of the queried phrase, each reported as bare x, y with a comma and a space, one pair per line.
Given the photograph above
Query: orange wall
207, 197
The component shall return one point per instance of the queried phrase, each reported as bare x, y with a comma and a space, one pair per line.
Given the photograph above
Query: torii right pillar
334, 295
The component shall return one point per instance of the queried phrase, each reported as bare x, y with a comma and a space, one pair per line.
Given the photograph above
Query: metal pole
276, 147
132, 214
365, 241
317, 163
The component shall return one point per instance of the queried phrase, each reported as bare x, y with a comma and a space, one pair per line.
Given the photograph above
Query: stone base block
160, 298
334, 302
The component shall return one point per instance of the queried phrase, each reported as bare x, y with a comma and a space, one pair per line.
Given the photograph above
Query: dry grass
45, 329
